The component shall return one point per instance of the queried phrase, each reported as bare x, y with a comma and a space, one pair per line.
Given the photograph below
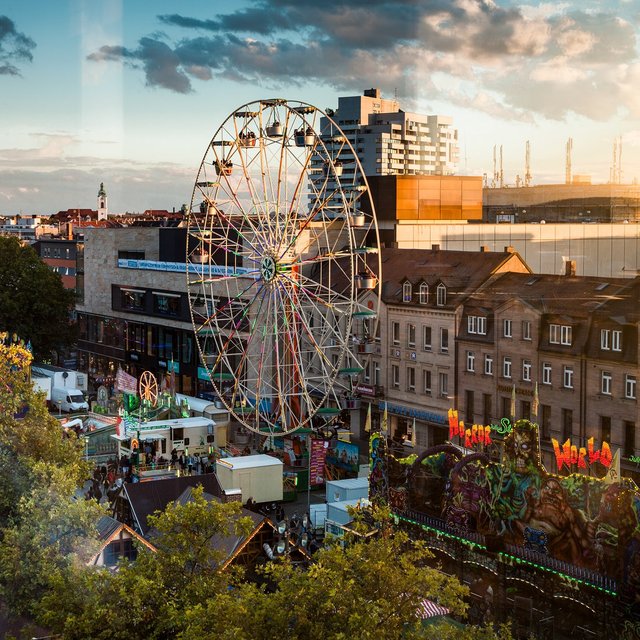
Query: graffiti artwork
588, 522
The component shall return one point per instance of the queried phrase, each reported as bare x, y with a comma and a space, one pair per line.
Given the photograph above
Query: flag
536, 401
367, 422
384, 425
613, 473
413, 434
513, 402
126, 382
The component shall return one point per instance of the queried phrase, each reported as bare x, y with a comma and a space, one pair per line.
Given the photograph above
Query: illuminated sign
476, 434
572, 455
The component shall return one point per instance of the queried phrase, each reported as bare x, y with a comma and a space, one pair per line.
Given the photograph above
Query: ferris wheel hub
268, 269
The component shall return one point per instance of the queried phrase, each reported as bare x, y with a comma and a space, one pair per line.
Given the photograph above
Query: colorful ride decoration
590, 523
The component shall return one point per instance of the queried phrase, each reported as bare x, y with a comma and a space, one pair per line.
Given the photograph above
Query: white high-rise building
390, 141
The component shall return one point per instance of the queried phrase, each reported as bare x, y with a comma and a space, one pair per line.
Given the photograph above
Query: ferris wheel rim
264, 269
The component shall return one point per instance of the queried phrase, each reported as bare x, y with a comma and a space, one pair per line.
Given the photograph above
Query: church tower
102, 203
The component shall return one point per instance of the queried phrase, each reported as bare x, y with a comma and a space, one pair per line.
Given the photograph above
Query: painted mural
592, 523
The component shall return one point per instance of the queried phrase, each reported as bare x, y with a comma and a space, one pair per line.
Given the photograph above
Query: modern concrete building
600, 250
563, 203
390, 141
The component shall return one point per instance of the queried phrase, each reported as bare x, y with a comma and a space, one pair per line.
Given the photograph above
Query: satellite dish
65, 374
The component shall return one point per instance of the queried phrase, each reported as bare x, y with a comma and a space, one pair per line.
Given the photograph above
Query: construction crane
567, 174
527, 165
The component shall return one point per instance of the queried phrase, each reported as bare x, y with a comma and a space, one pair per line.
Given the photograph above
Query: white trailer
43, 384
192, 436
61, 378
208, 409
258, 477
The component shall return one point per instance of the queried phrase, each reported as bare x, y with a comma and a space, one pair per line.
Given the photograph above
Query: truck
67, 386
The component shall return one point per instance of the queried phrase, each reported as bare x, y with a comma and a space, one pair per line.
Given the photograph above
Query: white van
69, 399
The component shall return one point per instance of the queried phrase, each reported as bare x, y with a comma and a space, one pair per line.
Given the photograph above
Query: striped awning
428, 609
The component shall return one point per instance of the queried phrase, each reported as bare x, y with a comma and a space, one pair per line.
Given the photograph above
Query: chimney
372, 93
570, 268
509, 249
484, 248
435, 247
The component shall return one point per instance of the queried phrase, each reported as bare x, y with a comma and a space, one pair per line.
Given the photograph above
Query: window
469, 402
605, 339
366, 374
441, 295
567, 377
426, 382
118, 549
426, 338
560, 334
471, 361
395, 333
616, 340
477, 324
506, 367
444, 340
605, 386
166, 304
525, 409
423, 293
507, 327
506, 406
526, 370
395, 376
605, 429
526, 330
567, 423
411, 379
376, 373
132, 299
630, 387
411, 335
546, 373
488, 365
444, 384
629, 439
406, 292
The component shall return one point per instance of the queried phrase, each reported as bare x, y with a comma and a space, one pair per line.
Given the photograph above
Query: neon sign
477, 434
572, 455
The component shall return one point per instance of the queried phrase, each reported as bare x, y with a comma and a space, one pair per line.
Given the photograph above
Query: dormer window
406, 292
423, 293
441, 295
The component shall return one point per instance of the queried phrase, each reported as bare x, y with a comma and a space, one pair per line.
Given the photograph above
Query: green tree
41, 526
33, 302
148, 600
28, 434
370, 589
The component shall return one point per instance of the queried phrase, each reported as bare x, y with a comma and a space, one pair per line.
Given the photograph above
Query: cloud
15, 47
535, 59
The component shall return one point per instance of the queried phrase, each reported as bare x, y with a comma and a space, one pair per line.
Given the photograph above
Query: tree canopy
33, 302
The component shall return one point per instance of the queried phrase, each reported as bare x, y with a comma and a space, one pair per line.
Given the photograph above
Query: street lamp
86, 448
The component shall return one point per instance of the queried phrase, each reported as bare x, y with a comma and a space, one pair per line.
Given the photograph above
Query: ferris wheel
283, 264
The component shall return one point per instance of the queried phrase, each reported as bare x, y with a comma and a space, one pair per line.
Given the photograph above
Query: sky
129, 93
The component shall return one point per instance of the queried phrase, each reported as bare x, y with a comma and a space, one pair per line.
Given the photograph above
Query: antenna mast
495, 174
501, 172
527, 165
567, 173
